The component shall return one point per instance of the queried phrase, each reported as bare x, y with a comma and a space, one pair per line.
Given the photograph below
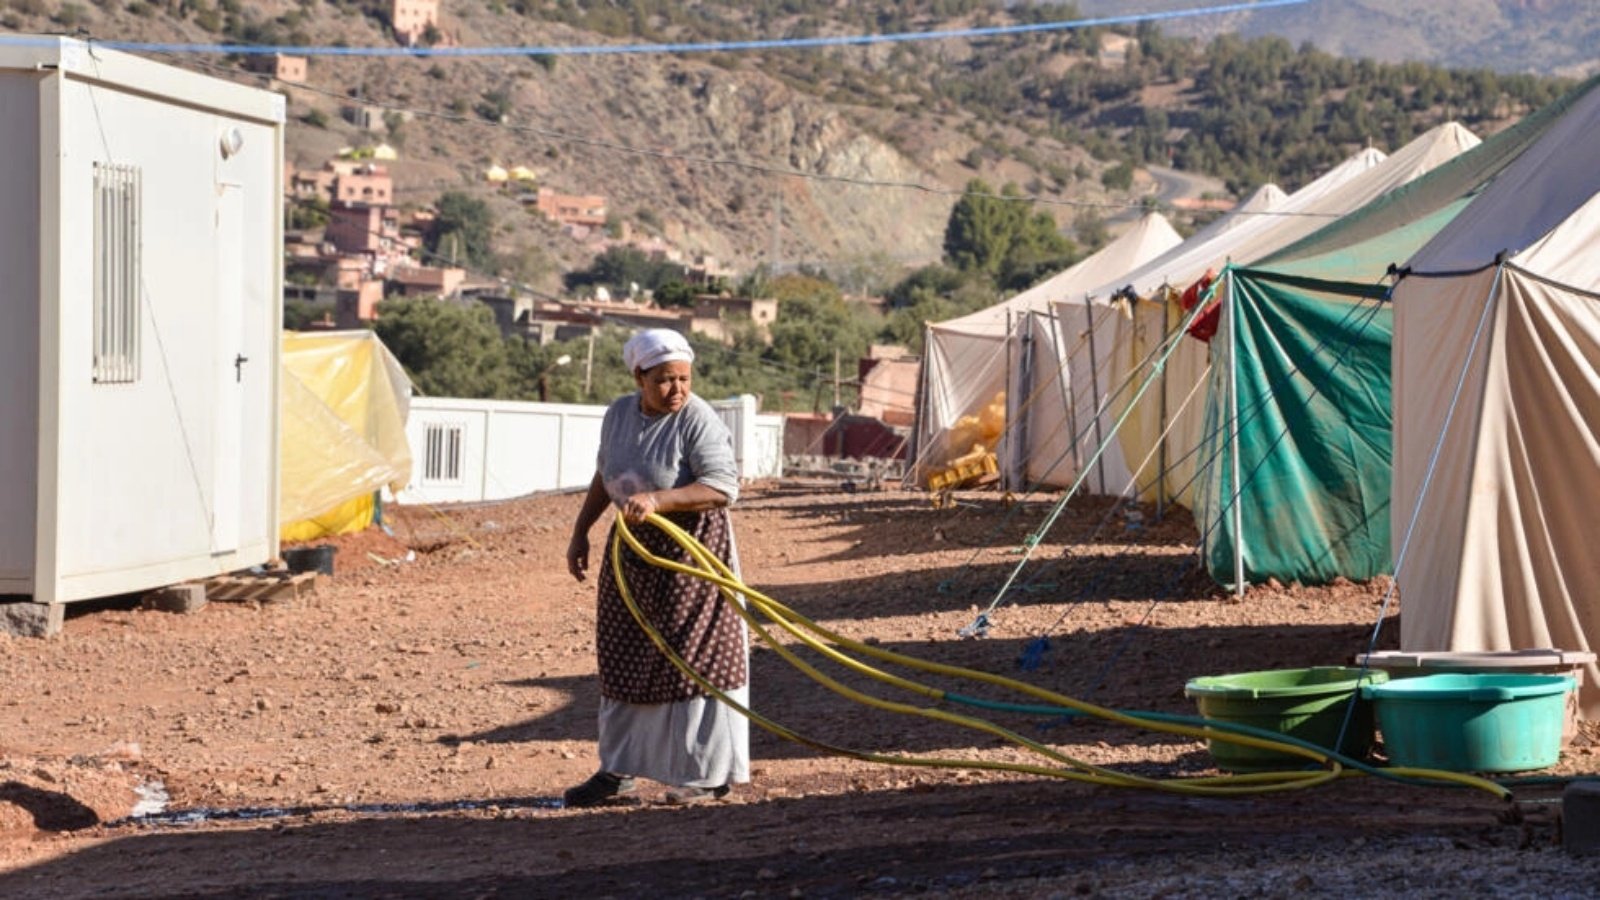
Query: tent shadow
908, 524
1173, 578
936, 838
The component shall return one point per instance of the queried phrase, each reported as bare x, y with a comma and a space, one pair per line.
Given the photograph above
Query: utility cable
552, 50
762, 168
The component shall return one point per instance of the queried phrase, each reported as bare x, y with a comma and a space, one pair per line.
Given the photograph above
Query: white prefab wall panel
19, 305
509, 449
765, 458
176, 464
142, 296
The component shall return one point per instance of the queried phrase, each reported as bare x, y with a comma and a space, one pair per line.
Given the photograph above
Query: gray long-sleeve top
652, 453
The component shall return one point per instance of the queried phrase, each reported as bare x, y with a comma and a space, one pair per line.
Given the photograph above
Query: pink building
372, 230
412, 18
888, 377
359, 304
572, 209
762, 312
290, 69
419, 281
370, 186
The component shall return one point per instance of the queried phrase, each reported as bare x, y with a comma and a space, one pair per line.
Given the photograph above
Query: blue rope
662, 48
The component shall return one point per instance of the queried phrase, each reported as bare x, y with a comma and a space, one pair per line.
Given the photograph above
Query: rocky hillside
711, 152
847, 159
1550, 37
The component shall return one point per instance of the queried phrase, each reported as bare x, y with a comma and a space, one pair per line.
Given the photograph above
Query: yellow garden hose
808, 632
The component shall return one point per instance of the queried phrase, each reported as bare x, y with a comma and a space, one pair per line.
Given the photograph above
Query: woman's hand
578, 556
639, 506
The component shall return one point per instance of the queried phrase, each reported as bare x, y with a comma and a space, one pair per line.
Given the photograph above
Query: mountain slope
1551, 37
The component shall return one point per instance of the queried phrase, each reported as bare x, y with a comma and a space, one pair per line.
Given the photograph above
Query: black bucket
311, 559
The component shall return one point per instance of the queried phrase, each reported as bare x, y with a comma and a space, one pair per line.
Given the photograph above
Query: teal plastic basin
1472, 723
1308, 704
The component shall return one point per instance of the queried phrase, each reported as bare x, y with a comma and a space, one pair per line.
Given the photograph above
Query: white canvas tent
965, 359
1064, 435
1496, 366
1167, 430
142, 207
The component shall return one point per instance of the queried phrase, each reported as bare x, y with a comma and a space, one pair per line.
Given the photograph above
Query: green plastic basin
1472, 723
1308, 704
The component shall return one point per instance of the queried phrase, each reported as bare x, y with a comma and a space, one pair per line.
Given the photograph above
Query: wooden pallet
269, 587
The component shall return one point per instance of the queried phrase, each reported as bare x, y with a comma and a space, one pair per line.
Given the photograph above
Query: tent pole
1066, 395
1232, 321
1161, 449
914, 443
1017, 425
1006, 437
1094, 390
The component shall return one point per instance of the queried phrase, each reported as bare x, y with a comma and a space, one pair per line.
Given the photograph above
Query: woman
664, 450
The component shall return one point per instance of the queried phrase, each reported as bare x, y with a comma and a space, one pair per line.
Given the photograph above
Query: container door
232, 367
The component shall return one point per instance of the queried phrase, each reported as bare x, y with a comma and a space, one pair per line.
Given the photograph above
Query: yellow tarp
345, 400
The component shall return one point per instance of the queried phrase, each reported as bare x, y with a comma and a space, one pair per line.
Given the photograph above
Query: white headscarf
654, 346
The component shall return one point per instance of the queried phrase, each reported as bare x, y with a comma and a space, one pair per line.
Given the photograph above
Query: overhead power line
724, 162
848, 40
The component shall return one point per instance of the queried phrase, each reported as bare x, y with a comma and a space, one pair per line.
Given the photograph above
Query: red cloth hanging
1204, 326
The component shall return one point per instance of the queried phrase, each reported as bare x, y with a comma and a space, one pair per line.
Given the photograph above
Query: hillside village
370, 249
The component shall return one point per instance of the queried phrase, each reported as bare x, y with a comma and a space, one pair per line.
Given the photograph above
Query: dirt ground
406, 730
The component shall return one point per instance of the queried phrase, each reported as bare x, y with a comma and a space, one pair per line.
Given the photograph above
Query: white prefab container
141, 208
466, 451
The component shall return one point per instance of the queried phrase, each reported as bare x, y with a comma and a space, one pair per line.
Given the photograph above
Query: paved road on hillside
1173, 185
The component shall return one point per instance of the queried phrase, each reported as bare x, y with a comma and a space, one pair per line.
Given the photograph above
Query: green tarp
1308, 337
1311, 428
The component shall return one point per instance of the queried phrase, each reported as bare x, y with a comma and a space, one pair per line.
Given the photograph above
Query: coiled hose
832, 646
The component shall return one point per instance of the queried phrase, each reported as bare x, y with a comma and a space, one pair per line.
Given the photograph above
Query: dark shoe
601, 787
684, 795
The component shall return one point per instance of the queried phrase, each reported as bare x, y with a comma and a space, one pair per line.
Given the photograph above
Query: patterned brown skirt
690, 614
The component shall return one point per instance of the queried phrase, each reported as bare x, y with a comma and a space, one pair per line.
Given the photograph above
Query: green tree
674, 293
812, 330
978, 235
1118, 178
618, 268
310, 213
297, 314
996, 235
462, 231
449, 350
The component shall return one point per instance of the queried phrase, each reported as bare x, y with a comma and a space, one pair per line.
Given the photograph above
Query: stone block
176, 598
1580, 818
25, 618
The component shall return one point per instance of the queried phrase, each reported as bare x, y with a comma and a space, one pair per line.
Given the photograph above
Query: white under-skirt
699, 742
